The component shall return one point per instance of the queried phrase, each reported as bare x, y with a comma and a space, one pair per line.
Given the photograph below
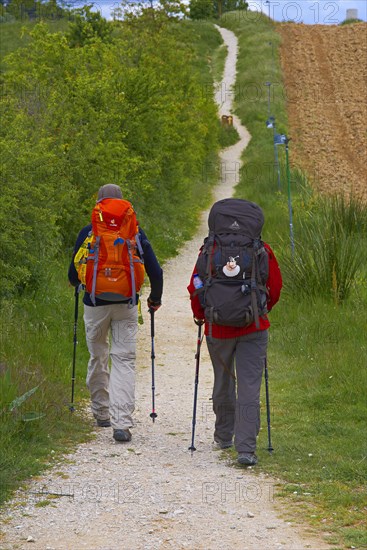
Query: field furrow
325, 78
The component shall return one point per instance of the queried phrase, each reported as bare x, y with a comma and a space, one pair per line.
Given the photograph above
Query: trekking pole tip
153, 416
71, 408
192, 449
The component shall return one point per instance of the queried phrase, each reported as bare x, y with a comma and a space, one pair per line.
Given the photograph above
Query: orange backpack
114, 270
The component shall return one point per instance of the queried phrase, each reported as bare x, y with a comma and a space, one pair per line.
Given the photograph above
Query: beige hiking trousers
111, 333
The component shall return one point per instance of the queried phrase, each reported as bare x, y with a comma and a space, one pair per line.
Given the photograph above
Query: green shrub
351, 21
228, 136
87, 26
201, 9
129, 110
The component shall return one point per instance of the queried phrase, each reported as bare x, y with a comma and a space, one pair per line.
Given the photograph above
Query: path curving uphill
151, 493
325, 77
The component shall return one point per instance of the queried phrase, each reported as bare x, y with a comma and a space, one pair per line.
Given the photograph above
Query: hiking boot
103, 423
122, 435
223, 444
247, 459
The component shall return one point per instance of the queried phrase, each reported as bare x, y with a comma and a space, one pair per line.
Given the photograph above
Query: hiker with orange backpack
235, 283
110, 258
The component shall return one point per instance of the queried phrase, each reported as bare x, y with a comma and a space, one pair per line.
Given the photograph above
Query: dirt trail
150, 493
325, 77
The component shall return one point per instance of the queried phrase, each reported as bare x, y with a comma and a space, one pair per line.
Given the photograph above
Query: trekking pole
197, 357
75, 340
153, 415
270, 448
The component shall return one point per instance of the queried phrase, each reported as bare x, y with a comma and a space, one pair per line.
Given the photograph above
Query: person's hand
153, 306
199, 322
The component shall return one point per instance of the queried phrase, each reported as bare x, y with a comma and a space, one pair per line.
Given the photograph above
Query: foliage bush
228, 136
351, 21
26, 10
87, 26
207, 9
128, 109
201, 9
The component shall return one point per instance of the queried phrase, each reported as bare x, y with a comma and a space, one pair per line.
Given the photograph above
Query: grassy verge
219, 59
36, 352
37, 328
317, 350
228, 136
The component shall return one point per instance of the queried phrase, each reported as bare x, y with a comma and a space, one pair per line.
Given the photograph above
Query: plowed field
325, 78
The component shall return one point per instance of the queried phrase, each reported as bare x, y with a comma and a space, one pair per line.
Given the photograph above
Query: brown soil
325, 78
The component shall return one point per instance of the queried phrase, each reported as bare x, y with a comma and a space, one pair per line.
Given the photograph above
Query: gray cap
109, 191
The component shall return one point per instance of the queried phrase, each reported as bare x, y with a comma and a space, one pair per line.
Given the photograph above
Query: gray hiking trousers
111, 334
238, 365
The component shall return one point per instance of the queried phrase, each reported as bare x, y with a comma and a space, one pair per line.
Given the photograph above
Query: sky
325, 12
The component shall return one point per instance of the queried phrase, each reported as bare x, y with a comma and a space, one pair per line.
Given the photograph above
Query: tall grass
218, 62
36, 352
317, 352
330, 249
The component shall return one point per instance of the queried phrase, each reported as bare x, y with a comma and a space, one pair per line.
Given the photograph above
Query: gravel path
151, 493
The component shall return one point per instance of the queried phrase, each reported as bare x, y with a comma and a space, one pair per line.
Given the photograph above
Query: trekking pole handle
151, 311
197, 355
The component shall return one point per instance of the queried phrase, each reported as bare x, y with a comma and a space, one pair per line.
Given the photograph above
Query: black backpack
233, 267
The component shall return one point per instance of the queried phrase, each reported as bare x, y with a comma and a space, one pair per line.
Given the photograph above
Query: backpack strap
208, 282
95, 270
138, 245
210, 248
256, 282
260, 249
255, 309
131, 262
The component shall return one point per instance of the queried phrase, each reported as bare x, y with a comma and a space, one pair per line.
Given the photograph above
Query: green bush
129, 110
87, 26
27, 10
228, 136
351, 21
201, 9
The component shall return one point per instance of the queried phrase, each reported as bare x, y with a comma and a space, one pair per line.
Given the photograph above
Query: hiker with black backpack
110, 258
235, 283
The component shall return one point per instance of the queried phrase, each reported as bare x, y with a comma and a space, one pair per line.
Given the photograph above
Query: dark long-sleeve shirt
151, 264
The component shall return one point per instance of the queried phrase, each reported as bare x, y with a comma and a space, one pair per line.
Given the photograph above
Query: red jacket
274, 285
